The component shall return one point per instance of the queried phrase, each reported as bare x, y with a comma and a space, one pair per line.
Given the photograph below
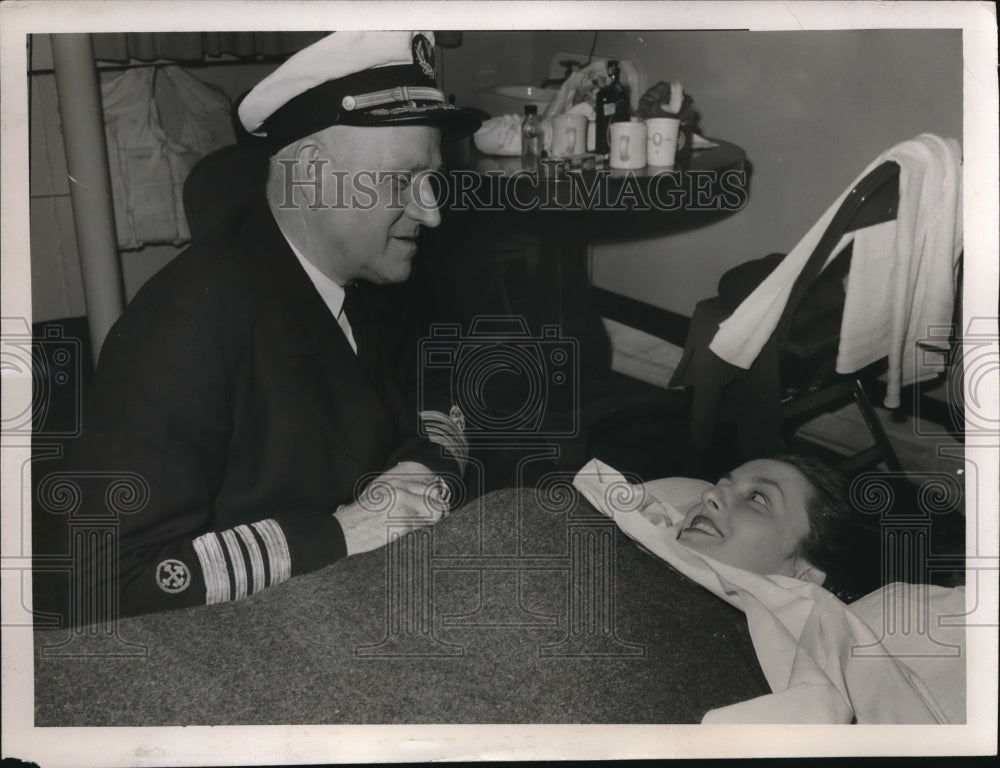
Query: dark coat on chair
228, 393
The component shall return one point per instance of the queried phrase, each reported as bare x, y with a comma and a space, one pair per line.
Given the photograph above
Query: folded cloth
581, 86
584, 108
803, 636
501, 136
901, 281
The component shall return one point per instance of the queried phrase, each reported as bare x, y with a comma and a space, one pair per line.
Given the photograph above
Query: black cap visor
332, 103
454, 122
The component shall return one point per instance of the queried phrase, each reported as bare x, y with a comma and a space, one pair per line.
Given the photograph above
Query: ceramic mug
569, 135
627, 142
661, 140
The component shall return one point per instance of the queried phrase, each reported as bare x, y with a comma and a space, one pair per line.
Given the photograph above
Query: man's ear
307, 152
808, 572
310, 163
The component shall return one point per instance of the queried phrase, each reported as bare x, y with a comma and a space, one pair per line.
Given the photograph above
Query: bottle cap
531, 109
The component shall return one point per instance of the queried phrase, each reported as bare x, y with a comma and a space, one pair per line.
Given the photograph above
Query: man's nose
423, 205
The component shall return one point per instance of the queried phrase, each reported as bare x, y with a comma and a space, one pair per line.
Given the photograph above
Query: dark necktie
361, 328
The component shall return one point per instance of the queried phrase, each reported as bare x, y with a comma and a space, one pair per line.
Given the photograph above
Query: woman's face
753, 518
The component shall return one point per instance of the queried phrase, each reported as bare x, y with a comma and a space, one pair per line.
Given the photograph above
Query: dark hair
831, 521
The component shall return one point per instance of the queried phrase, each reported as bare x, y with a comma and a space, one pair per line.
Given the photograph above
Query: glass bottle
612, 107
531, 138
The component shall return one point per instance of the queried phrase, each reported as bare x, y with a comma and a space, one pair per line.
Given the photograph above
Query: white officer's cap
353, 78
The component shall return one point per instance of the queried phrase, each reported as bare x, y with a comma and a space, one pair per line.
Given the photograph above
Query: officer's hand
406, 497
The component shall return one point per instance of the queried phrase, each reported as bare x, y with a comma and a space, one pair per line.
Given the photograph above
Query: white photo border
406, 743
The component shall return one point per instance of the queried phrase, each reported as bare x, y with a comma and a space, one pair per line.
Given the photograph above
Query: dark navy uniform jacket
229, 393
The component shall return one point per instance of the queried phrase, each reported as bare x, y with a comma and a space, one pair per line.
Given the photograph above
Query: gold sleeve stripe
213, 567
278, 555
444, 431
256, 559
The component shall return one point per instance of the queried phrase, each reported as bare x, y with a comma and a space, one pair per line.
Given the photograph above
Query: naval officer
244, 387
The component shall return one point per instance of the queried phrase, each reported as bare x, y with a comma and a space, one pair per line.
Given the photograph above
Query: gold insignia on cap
423, 54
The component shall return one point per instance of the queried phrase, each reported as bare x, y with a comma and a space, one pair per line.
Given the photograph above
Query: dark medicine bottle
612, 107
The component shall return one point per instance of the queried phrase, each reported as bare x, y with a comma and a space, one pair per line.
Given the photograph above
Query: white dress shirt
331, 293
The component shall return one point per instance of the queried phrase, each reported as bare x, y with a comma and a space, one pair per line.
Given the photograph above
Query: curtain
196, 46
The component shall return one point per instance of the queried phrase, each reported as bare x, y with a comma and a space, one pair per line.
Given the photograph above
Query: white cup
569, 135
661, 140
627, 142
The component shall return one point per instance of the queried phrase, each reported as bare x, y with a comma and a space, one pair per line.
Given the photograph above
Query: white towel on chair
901, 280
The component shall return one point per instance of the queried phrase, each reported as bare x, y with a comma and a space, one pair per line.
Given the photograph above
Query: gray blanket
522, 607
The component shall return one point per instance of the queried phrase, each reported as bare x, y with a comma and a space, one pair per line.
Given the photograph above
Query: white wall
812, 109
484, 60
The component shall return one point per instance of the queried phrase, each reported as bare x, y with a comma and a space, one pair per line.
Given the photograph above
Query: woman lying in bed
765, 538
785, 516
